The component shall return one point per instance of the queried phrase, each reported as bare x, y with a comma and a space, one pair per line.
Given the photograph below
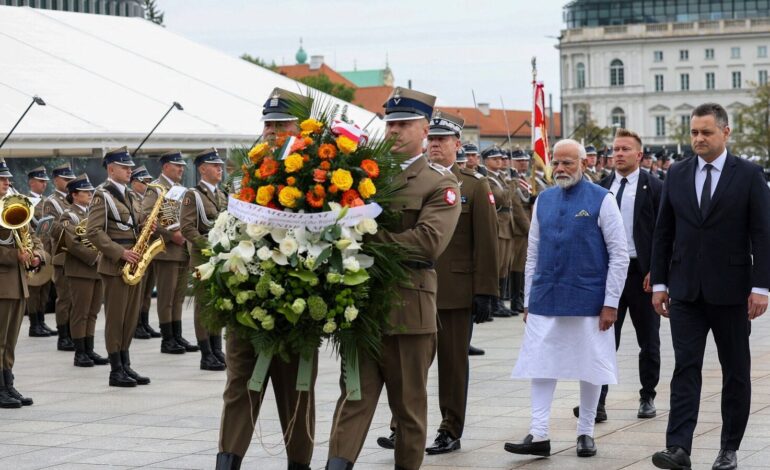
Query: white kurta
561, 347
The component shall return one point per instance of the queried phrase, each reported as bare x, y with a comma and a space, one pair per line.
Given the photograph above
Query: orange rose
325, 165
333, 189
291, 181
319, 176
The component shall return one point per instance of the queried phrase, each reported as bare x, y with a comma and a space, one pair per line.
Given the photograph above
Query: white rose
288, 246
256, 231
351, 264
264, 253
351, 313
366, 226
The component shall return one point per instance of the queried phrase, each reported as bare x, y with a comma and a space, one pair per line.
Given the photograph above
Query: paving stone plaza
79, 423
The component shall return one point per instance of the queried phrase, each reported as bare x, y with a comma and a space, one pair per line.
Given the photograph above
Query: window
763, 77
710, 81
98, 7
736, 80
65, 5
684, 55
684, 121
684, 81
735, 52
709, 54
87, 6
762, 52
580, 72
657, 56
618, 118
658, 82
617, 77
660, 126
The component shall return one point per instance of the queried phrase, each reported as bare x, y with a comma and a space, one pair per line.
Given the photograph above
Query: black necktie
705, 195
619, 197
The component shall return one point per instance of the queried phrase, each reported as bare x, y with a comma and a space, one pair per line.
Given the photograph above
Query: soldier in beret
37, 180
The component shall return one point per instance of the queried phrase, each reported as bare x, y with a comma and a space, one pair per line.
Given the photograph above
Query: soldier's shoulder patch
187, 200
478, 176
97, 199
65, 223
491, 198
450, 196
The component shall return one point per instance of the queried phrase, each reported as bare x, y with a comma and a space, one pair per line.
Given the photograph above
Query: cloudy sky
446, 48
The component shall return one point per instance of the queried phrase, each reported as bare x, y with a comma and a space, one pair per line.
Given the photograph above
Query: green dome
301, 55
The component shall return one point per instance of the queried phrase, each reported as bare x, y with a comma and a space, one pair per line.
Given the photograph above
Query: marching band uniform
520, 232
38, 295
143, 328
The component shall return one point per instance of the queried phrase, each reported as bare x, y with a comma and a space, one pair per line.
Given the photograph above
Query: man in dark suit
710, 271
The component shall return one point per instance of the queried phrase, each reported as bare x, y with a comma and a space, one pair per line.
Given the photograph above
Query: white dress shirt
211, 187
405, 164
627, 205
121, 187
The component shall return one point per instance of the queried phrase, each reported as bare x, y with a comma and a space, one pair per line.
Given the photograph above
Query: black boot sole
438, 451
172, 351
213, 368
10, 405
83, 364
114, 383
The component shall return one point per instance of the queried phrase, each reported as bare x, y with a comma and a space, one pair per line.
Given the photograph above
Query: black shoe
8, 380
140, 332
601, 413
646, 408
473, 351
35, 330
65, 342
500, 310
118, 376
145, 319
674, 458
726, 460
443, 444
387, 442
338, 463
228, 461
98, 360
298, 466
527, 447
216, 348
41, 321
126, 360
168, 344
586, 447
208, 360
81, 358
177, 329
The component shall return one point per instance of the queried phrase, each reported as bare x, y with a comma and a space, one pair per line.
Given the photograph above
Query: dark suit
710, 265
634, 298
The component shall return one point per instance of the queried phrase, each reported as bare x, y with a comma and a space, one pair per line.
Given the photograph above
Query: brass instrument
169, 214
132, 273
80, 234
16, 211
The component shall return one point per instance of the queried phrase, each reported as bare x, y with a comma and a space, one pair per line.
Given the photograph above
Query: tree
260, 62
323, 83
590, 133
152, 13
680, 131
751, 129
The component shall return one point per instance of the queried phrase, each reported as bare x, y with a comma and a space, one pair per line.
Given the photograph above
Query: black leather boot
8, 378
505, 292
520, 294
517, 305
6, 400
98, 360
35, 330
177, 328
216, 348
65, 342
208, 360
81, 358
140, 332
338, 463
168, 344
499, 309
41, 320
145, 317
228, 461
126, 359
298, 466
118, 376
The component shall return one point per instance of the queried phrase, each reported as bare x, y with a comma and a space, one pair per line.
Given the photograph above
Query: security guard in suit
112, 229
467, 282
521, 197
429, 201
200, 208
80, 262
13, 299
171, 266
140, 178
37, 180
242, 405
54, 206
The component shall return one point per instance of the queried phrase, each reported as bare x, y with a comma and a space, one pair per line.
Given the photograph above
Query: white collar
62, 193
34, 194
407, 163
84, 209
167, 179
211, 187
632, 178
718, 164
121, 187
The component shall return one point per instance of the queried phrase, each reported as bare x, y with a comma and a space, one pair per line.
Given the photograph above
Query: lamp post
173, 105
36, 100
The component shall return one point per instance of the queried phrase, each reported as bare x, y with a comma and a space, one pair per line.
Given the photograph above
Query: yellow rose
265, 195
346, 145
310, 126
293, 163
289, 196
366, 188
342, 179
257, 151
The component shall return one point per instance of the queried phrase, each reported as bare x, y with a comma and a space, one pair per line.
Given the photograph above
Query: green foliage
322, 82
751, 129
151, 12
257, 61
679, 131
592, 134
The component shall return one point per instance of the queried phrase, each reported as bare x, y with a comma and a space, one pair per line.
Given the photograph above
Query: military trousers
519, 253
241, 405
38, 298
505, 256
403, 369
121, 312
63, 296
86, 302
148, 284
454, 337
11, 316
171, 279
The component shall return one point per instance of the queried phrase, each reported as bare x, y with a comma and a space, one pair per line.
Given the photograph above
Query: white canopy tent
107, 80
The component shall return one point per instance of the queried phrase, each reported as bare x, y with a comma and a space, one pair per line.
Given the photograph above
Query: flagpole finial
534, 69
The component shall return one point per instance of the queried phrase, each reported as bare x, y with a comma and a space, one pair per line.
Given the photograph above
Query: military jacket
200, 209
54, 206
13, 274
80, 260
111, 227
519, 214
504, 214
173, 251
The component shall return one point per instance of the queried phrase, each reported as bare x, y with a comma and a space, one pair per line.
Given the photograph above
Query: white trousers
542, 398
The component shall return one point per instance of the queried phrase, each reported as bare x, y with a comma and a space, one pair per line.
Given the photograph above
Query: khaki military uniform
112, 229
520, 225
504, 198
148, 281
463, 271
54, 206
84, 282
430, 206
593, 175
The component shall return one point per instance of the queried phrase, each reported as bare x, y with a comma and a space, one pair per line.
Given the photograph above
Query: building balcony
664, 30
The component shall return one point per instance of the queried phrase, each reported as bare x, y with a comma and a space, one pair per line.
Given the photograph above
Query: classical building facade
624, 66
99, 7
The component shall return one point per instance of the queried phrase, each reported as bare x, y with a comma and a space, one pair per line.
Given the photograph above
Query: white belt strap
116, 214
201, 212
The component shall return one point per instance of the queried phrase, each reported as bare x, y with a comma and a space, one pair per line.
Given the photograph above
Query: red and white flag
539, 133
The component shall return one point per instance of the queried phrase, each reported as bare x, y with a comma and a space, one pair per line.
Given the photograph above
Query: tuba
15, 215
132, 273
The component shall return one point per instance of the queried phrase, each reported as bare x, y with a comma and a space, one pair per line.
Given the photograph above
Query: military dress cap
38, 173
406, 105
140, 173
492, 152
63, 171
506, 154
471, 149
208, 156
174, 156
461, 156
277, 106
590, 150
81, 183
519, 154
118, 156
446, 124
4, 170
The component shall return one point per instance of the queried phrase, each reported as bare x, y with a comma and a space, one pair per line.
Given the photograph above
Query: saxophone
132, 273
